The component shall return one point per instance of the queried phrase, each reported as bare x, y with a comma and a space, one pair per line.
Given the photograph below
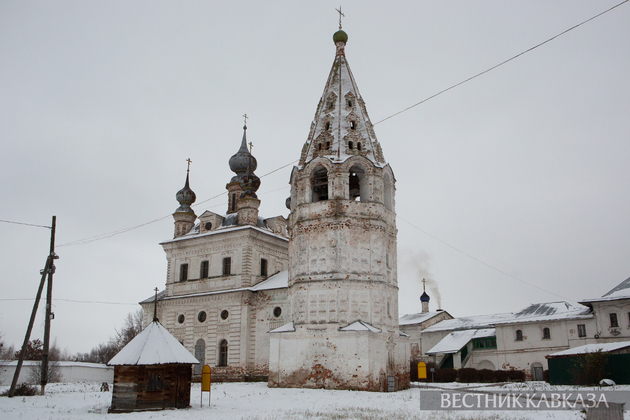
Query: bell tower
343, 288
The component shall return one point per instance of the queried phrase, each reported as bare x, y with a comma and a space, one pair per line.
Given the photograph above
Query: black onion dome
185, 197
242, 160
424, 297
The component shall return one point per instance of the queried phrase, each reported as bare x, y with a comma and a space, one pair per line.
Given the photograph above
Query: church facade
226, 278
311, 301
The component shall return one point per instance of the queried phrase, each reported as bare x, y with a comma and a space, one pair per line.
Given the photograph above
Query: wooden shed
152, 372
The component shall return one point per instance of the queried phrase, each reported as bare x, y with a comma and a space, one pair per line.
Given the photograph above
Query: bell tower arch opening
357, 185
319, 184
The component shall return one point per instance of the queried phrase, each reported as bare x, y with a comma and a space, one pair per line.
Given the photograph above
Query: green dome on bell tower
340, 36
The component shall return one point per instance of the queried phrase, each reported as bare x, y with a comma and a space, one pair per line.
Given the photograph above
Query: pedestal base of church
321, 356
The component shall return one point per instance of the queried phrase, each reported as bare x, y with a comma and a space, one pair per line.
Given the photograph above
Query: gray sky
524, 168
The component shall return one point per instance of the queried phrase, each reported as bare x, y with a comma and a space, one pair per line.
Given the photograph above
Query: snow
538, 312
454, 342
254, 401
592, 348
284, 328
418, 318
360, 326
277, 281
153, 346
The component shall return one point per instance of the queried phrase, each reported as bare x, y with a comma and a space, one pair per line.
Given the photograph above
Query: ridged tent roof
341, 118
153, 346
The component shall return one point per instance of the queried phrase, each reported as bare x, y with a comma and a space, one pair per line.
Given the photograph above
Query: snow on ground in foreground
254, 401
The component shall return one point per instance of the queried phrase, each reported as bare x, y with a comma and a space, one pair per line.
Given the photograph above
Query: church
309, 301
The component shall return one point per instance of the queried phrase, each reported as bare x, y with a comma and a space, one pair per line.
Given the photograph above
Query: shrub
468, 375
445, 375
22, 390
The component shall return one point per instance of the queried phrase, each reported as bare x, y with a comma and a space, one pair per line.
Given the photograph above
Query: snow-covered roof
290, 327
592, 348
456, 340
538, 312
153, 346
418, 318
360, 326
621, 291
277, 281
194, 233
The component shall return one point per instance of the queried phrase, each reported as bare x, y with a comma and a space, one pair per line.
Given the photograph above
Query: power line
25, 224
72, 300
482, 262
502, 63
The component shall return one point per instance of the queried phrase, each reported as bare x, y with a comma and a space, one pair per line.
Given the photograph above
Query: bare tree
131, 328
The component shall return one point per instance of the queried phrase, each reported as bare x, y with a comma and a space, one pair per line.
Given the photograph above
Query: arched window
319, 182
546, 333
233, 203
319, 146
359, 146
350, 145
353, 125
327, 126
327, 145
223, 353
200, 354
388, 193
357, 190
519, 335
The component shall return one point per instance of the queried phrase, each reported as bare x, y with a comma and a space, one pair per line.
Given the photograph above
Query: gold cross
245, 116
340, 15
250, 147
189, 162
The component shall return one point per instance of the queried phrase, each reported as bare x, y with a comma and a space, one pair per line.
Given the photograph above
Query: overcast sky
524, 169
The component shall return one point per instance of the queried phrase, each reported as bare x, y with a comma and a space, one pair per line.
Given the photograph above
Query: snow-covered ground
254, 401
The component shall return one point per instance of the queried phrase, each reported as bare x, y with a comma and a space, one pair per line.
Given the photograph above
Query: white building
523, 339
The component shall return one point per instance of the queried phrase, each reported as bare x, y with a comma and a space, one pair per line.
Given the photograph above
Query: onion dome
185, 197
424, 297
242, 160
340, 36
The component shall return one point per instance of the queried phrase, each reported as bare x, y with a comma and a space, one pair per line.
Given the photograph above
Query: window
208, 226
359, 146
224, 314
201, 317
183, 272
613, 321
277, 311
263, 267
181, 319
319, 146
227, 266
546, 333
223, 353
233, 203
350, 145
203, 271
327, 145
350, 103
519, 335
485, 343
320, 184
200, 354
327, 126
581, 330
353, 125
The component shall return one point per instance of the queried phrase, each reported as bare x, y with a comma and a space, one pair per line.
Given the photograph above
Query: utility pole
49, 314
48, 267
